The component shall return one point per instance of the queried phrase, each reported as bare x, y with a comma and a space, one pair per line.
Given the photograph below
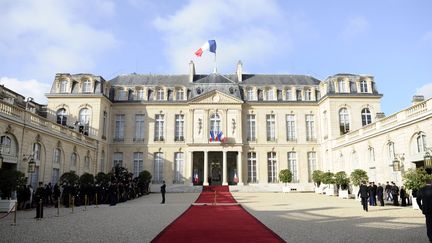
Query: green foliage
328, 178
69, 178
285, 176
10, 180
317, 177
86, 179
415, 179
342, 180
102, 179
357, 176
144, 179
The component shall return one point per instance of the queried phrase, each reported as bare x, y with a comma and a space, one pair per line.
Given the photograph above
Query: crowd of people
373, 194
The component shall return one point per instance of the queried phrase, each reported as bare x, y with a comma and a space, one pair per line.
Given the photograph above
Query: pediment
216, 97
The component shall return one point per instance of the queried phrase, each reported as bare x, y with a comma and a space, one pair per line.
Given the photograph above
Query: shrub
328, 178
357, 176
285, 176
415, 179
10, 180
86, 179
144, 179
317, 177
342, 180
69, 178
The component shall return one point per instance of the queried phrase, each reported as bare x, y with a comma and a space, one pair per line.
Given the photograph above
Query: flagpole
215, 68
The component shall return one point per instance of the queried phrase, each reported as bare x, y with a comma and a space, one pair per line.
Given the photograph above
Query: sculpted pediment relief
216, 97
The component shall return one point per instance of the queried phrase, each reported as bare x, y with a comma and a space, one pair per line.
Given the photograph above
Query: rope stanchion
39, 208
15, 207
96, 200
58, 206
73, 204
85, 202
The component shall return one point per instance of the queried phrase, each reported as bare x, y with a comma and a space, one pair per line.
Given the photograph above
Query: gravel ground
296, 217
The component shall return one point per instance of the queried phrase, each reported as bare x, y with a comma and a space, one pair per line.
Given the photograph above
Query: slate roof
150, 79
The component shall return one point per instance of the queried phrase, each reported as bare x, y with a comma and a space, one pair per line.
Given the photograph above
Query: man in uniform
424, 200
364, 194
163, 187
39, 196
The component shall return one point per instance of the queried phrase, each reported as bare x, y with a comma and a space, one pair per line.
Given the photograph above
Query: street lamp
31, 166
396, 164
427, 160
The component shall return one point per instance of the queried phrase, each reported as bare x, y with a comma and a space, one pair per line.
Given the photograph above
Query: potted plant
357, 176
285, 176
10, 180
144, 179
317, 179
342, 183
328, 179
414, 179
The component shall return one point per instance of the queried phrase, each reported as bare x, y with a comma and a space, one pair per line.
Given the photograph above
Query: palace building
237, 129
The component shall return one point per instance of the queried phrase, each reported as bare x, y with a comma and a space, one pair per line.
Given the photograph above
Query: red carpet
216, 223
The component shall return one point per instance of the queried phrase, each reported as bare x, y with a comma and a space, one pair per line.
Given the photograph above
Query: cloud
355, 27
253, 31
425, 90
28, 88
53, 36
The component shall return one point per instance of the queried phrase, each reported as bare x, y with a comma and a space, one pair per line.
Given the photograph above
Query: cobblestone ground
296, 217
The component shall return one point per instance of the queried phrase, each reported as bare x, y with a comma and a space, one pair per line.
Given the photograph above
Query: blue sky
391, 40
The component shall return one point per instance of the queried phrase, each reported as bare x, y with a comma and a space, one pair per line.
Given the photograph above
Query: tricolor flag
221, 137
212, 136
208, 46
235, 177
196, 177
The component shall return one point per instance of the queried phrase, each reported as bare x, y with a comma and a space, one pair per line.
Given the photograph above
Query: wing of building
237, 129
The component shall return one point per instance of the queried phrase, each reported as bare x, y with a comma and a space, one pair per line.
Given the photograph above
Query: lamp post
31, 168
428, 161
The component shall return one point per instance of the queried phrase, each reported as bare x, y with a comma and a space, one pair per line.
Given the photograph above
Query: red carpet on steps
216, 223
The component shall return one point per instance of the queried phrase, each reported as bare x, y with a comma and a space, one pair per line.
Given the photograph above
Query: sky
390, 40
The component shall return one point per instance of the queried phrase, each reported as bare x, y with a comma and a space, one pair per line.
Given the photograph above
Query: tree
144, 179
285, 176
414, 179
69, 178
328, 178
317, 177
357, 176
102, 179
342, 180
10, 180
86, 179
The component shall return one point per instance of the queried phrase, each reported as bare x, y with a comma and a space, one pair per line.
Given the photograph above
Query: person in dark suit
380, 194
424, 200
39, 196
364, 194
163, 190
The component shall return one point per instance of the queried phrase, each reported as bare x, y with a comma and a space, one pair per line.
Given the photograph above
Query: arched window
6, 144
421, 143
57, 156
344, 121
36, 151
363, 86
73, 162
84, 119
62, 117
63, 86
87, 86
366, 117
390, 151
215, 124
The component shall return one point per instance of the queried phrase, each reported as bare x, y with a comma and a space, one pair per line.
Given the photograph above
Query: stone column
205, 169
189, 168
240, 168
224, 168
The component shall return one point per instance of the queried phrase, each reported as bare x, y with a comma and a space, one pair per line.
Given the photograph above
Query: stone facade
168, 124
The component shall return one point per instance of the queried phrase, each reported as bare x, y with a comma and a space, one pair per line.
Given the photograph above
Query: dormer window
63, 86
160, 94
122, 94
140, 94
250, 94
363, 86
179, 94
341, 86
87, 86
288, 94
308, 95
270, 94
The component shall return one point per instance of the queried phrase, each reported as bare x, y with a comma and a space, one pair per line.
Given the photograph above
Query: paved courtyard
296, 217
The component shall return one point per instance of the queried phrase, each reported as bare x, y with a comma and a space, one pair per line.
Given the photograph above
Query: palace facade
194, 129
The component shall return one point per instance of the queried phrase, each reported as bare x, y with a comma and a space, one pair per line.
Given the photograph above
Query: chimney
239, 71
417, 99
191, 71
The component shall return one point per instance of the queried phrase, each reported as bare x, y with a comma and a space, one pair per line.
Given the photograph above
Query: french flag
212, 136
221, 137
208, 46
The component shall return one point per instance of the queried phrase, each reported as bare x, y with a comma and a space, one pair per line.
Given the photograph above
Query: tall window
62, 117
252, 167
421, 143
288, 94
86, 86
104, 125
179, 94
119, 127
179, 127
298, 95
270, 94
73, 161
311, 157
63, 86
86, 163
271, 127
341, 86
158, 167
57, 157
6, 144
138, 163
250, 94
391, 152
251, 127
55, 176
308, 95
139, 127
366, 117
310, 128
371, 157
36, 151
325, 122
118, 159
159, 127
140, 94
292, 165
102, 161
84, 118
290, 127
160, 94
215, 123
272, 167
178, 167
344, 121
363, 86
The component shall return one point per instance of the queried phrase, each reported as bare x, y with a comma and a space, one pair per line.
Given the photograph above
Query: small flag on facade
196, 179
